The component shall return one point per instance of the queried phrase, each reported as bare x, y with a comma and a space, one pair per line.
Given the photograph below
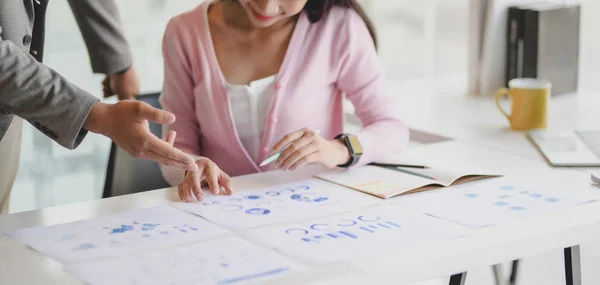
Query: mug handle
499, 94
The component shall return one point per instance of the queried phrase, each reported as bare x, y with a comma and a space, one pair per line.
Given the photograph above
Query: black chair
126, 174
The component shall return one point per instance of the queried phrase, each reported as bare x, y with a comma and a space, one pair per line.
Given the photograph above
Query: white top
249, 104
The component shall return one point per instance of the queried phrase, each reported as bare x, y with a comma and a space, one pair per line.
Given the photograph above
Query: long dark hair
315, 9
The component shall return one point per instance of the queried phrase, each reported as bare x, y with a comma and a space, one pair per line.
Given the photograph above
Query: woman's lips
261, 17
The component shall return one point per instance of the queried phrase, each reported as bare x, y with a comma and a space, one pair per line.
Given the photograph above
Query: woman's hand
306, 146
208, 174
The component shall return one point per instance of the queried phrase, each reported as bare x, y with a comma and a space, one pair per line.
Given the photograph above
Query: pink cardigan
324, 60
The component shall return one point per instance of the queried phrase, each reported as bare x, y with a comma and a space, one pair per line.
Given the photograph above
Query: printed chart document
488, 202
393, 181
224, 261
365, 232
118, 234
282, 203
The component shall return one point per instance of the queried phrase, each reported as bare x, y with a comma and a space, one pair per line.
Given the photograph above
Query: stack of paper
499, 200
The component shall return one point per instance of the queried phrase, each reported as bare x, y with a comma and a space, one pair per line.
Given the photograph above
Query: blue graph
257, 211
143, 230
352, 229
149, 227
304, 198
365, 219
253, 276
122, 229
84, 246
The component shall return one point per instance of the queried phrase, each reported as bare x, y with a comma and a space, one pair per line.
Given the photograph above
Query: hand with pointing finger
126, 123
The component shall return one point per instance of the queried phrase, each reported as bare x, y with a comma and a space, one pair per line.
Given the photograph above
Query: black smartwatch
354, 147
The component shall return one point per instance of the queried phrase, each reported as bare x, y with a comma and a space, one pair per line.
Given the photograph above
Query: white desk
425, 106
441, 108
20, 265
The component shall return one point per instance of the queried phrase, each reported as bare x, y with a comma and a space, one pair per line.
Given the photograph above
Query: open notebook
386, 182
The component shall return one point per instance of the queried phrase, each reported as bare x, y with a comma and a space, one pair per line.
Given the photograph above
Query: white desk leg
573, 265
458, 279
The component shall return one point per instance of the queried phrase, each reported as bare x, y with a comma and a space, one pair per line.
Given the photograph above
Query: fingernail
169, 118
215, 191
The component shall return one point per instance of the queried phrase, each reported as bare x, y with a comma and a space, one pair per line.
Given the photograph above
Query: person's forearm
100, 25
40, 95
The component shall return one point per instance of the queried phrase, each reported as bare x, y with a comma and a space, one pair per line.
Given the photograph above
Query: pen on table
276, 156
398, 165
412, 173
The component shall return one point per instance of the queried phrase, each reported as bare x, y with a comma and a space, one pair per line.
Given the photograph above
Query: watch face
355, 144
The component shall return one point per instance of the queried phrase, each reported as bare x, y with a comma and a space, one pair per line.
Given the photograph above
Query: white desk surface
441, 108
484, 140
20, 265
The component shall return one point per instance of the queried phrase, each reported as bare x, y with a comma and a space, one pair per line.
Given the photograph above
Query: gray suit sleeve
100, 26
40, 95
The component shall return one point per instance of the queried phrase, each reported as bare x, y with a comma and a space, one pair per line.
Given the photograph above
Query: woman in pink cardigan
246, 78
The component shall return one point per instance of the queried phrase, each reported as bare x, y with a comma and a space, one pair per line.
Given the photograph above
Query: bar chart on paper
230, 260
283, 203
359, 233
117, 234
489, 202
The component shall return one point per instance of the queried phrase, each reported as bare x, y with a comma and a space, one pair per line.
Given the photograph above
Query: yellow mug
530, 100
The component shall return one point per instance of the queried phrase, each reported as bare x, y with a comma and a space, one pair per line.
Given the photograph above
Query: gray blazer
38, 94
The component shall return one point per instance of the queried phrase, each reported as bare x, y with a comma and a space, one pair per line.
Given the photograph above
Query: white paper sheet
118, 234
596, 177
226, 261
365, 232
283, 203
497, 200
